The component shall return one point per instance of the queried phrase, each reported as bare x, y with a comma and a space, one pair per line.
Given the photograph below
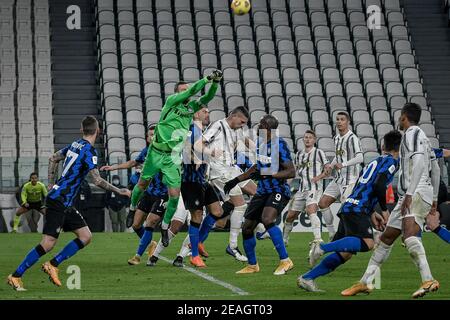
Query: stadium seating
299, 60
25, 88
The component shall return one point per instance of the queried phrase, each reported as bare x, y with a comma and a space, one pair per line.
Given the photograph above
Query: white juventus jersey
219, 135
415, 141
347, 147
309, 165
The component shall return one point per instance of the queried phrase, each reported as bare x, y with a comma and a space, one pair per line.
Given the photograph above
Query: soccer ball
240, 7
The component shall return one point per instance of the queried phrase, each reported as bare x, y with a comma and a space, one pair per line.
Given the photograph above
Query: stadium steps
75, 89
430, 32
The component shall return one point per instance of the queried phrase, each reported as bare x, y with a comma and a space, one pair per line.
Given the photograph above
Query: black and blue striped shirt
81, 157
269, 161
193, 171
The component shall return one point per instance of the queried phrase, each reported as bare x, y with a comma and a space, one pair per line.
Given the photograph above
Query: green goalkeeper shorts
157, 161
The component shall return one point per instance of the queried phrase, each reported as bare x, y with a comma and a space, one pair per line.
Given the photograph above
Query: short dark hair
151, 127
89, 125
344, 113
34, 174
242, 110
270, 120
412, 111
392, 140
310, 132
179, 83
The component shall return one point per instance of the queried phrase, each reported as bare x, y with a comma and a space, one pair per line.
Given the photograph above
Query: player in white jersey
228, 136
347, 162
310, 164
418, 190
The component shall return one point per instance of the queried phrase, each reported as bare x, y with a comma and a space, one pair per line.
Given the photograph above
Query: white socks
328, 218
417, 253
379, 256
288, 226
160, 247
315, 226
236, 219
184, 250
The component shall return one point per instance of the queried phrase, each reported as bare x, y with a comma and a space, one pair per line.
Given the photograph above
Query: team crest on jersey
306, 164
340, 152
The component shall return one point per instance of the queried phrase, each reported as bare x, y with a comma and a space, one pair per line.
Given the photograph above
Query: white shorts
419, 210
303, 199
182, 214
226, 176
338, 191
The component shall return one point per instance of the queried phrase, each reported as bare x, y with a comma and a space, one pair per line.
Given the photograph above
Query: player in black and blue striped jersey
273, 167
80, 161
152, 205
357, 215
134, 219
197, 192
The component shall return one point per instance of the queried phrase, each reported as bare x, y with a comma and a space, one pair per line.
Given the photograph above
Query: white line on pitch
207, 277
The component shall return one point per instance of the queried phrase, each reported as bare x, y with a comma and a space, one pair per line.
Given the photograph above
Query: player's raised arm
105, 185
192, 90
53, 165
209, 95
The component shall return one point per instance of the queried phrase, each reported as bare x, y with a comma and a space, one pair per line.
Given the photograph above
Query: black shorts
354, 224
59, 218
197, 195
153, 204
35, 206
260, 201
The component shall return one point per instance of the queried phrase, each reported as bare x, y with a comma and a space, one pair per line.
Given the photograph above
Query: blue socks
249, 247
139, 231
69, 250
31, 258
277, 238
206, 226
328, 264
145, 241
194, 237
347, 244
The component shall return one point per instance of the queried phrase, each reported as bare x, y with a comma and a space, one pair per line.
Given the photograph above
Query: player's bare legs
150, 223
175, 227
324, 204
138, 220
268, 216
84, 237
379, 256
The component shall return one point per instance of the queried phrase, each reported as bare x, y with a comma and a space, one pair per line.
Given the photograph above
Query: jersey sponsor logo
352, 201
306, 164
264, 159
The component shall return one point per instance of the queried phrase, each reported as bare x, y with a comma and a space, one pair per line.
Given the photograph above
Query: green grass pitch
105, 273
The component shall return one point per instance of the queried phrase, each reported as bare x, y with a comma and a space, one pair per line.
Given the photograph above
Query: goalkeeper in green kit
164, 154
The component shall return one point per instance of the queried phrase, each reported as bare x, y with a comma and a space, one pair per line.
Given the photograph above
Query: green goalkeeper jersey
32, 193
176, 116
